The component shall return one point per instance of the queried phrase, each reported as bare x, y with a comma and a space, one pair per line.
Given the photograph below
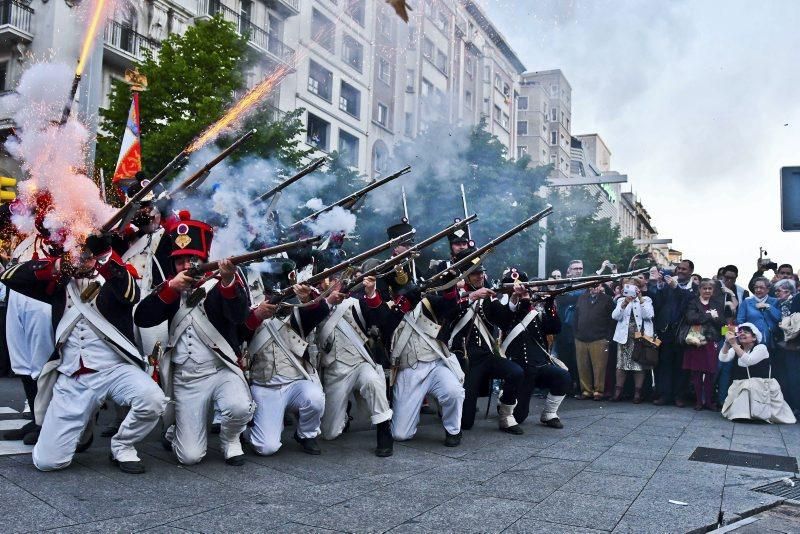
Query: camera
667, 271
767, 264
629, 290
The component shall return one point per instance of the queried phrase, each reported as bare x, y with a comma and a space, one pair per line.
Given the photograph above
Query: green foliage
190, 85
574, 232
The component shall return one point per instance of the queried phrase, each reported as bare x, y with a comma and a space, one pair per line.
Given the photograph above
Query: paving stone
133, 523
598, 512
551, 467
623, 465
658, 510
245, 515
467, 514
299, 528
507, 454
519, 485
605, 484
573, 451
21, 511
533, 526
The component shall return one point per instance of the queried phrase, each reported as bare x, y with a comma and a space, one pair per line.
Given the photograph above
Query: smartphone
629, 291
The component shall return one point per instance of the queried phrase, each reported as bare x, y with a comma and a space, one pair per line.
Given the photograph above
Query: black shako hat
466, 252
513, 274
399, 229
458, 236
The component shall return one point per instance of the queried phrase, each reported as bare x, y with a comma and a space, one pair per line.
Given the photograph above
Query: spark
91, 34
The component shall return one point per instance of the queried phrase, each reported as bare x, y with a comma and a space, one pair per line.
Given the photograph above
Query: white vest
280, 356
408, 345
340, 338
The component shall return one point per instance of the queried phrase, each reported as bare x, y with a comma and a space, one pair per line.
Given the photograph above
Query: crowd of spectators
711, 331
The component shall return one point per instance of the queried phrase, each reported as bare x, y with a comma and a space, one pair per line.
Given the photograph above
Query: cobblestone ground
614, 467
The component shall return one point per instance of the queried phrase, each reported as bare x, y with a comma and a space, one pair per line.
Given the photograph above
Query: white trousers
29, 331
410, 388
303, 397
340, 381
76, 399
194, 397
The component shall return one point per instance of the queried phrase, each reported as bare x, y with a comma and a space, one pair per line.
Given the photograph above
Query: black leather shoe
452, 440
555, 422
32, 437
215, 428
83, 447
235, 460
165, 443
132, 468
309, 445
515, 430
109, 431
385, 446
19, 433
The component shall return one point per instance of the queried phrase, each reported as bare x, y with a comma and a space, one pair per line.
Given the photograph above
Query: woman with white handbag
754, 394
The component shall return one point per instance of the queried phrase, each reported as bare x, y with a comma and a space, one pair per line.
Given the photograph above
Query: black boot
452, 440
131, 468
19, 433
385, 440
84, 446
32, 437
309, 445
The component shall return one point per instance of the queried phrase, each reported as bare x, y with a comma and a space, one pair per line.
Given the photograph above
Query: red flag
130, 154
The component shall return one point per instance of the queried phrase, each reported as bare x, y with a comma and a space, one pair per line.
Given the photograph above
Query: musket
137, 198
464, 203
386, 265
475, 256
250, 257
572, 281
405, 214
356, 260
308, 169
200, 175
354, 197
68, 106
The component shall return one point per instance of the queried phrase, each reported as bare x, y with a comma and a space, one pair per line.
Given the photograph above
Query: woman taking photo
633, 313
707, 314
761, 310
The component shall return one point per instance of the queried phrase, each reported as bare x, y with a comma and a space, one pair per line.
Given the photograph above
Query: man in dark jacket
593, 328
672, 300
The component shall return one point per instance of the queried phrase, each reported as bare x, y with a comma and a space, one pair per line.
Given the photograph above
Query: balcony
287, 8
15, 21
124, 46
260, 39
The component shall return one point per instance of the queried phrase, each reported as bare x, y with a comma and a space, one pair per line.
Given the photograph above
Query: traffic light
8, 189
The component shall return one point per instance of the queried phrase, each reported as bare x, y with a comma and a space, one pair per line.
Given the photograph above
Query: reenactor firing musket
571, 282
462, 267
305, 171
197, 178
388, 265
351, 199
355, 261
250, 257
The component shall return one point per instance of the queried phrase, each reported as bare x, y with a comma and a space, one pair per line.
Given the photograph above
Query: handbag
695, 336
645, 350
790, 326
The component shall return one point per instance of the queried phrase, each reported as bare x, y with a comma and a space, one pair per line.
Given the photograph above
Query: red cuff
252, 321
229, 292
403, 303
374, 301
45, 270
167, 294
451, 293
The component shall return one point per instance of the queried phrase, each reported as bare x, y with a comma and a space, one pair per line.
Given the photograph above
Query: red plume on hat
189, 237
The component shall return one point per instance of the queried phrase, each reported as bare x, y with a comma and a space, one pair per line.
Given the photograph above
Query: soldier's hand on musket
520, 291
335, 298
181, 282
227, 271
481, 293
303, 292
265, 310
369, 283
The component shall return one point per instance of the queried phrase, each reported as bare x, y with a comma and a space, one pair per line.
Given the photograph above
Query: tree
575, 232
191, 82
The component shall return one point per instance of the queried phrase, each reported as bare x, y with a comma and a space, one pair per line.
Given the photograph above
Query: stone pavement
614, 467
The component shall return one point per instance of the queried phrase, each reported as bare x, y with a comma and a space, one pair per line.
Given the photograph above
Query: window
504, 120
522, 127
384, 71
498, 81
487, 73
469, 66
486, 106
386, 25
350, 99
522, 103
506, 89
348, 148
554, 138
3, 75
412, 37
442, 21
356, 9
553, 115
410, 79
441, 61
380, 158
409, 126
521, 151
497, 113
383, 115
468, 99
427, 88
554, 90
320, 81
567, 123
352, 53
317, 132
427, 48
322, 30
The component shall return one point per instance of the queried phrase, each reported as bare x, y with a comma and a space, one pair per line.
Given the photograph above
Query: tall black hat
514, 274
458, 236
399, 229
466, 252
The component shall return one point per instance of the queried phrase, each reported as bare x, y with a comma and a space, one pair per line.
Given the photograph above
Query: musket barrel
308, 169
353, 196
213, 163
259, 254
68, 106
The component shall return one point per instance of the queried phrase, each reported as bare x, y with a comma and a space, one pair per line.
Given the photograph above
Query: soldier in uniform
200, 368
471, 339
96, 359
459, 240
282, 377
349, 366
525, 343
